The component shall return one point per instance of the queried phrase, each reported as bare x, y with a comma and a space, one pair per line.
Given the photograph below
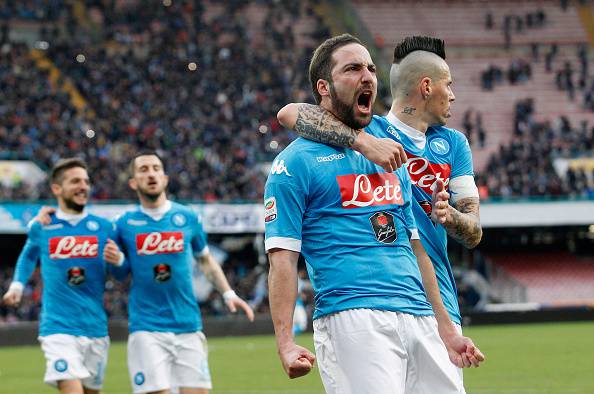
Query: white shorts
364, 351
69, 357
164, 360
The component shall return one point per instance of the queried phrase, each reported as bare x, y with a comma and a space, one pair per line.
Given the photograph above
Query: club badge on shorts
383, 227
76, 276
162, 272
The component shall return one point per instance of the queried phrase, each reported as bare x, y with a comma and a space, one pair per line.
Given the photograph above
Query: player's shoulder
297, 158
97, 223
380, 126
303, 148
446, 132
443, 140
127, 216
182, 209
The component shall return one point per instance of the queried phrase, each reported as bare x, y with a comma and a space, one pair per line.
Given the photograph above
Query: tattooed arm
463, 222
317, 124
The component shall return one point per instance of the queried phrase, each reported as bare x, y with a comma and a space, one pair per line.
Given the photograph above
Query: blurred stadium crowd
201, 83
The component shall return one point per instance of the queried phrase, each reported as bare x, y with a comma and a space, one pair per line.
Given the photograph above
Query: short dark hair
321, 63
418, 43
61, 166
132, 168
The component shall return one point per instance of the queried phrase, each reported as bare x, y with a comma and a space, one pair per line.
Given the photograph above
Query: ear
166, 180
425, 87
56, 189
133, 184
323, 87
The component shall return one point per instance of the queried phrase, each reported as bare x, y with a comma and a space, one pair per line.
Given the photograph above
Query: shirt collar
72, 218
157, 213
417, 137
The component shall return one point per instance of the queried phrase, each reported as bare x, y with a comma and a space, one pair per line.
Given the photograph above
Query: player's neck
410, 115
153, 204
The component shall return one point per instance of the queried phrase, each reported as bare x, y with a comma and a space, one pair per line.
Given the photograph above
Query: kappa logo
53, 226
332, 157
270, 212
392, 130
439, 146
278, 167
133, 222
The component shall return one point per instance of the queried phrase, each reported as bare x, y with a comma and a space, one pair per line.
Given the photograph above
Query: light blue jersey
445, 154
160, 256
352, 223
73, 273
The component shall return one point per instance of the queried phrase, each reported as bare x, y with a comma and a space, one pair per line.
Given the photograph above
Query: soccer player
72, 249
166, 346
373, 327
420, 82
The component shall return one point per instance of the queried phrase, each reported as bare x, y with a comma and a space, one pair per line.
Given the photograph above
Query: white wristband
121, 260
229, 295
16, 286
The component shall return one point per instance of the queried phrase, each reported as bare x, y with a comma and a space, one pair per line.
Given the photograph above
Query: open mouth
81, 194
364, 102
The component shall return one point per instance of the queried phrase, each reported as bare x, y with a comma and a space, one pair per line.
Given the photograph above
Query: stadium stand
200, 102
553, 279
201, 82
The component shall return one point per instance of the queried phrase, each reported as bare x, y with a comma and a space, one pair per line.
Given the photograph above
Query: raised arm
317, 124
282, 288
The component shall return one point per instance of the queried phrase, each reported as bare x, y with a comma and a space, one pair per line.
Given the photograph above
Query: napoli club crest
383, 227
439, 146
92, 225
179, 219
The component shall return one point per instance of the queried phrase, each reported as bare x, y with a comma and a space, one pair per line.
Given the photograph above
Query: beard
70, 204
346, 112
151, 196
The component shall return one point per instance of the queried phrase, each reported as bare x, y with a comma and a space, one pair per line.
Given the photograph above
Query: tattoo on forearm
317, 124
409, 110
465, 226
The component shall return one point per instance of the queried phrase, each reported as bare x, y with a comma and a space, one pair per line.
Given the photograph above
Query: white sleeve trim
462, 187
414, 234
203, 252
283, 243
18, 286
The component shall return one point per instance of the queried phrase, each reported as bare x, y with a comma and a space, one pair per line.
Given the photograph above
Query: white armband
462, 187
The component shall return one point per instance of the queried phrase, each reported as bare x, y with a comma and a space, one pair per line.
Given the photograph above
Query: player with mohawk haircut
419, 43
438, 159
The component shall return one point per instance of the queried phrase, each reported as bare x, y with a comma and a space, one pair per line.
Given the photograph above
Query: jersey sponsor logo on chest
160, 243
364, 190
73, 246
424, 173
